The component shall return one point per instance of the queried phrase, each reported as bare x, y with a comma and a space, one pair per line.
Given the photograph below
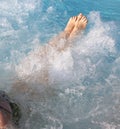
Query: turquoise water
84, 91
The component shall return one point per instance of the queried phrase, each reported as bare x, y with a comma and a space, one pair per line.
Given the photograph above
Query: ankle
67, 33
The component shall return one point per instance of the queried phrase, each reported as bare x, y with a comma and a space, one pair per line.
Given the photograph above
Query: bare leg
80, 25
74, 26
70, 26
66, 33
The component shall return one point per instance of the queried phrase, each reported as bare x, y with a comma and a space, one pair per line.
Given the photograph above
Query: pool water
84, 84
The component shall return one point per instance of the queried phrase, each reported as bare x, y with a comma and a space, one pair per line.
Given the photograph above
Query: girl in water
8, 110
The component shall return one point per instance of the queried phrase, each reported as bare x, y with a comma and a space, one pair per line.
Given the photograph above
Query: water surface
84, 91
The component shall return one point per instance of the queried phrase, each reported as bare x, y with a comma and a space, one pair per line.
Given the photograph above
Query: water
83, 92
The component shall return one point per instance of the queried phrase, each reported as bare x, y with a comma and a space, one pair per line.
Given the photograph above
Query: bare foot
70, 26
66, 33
75, 25
80, 24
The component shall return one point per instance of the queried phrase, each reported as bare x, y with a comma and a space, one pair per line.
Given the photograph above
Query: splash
83, 80
89, 56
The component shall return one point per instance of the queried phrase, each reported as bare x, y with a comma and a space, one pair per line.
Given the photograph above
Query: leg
66, 33
80, 25
74, 26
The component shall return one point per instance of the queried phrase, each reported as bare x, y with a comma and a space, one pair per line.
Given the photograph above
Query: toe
70, 19
86, 21
76, 18
83, 18
80, 15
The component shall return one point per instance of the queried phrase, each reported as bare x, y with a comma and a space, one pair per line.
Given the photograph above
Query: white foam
50, 9
80, 72
86, 55
98, 38
85, 77
17, 10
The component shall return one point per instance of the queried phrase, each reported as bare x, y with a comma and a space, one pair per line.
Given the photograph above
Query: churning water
84, 81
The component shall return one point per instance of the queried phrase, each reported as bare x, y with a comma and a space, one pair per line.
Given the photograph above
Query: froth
98, 39
80, 61
85, 75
